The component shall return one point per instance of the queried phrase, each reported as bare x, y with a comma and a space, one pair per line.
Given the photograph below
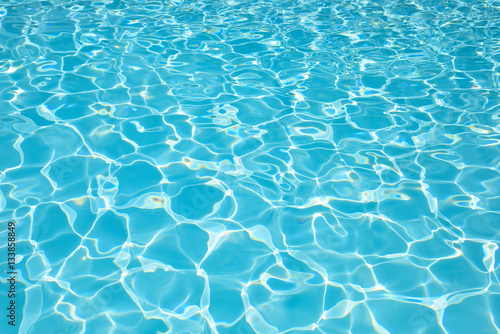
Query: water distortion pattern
252, 166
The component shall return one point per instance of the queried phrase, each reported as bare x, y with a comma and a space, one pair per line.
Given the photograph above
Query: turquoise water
247, 167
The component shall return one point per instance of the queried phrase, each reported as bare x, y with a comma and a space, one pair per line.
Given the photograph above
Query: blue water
241, 167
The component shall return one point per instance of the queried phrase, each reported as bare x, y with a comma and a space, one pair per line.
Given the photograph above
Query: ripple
252, 167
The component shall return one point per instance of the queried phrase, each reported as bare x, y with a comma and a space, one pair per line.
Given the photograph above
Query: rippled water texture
252, 166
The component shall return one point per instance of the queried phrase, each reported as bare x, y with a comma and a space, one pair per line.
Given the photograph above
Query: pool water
241, 167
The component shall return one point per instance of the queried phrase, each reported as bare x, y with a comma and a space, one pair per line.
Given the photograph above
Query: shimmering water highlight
252, 166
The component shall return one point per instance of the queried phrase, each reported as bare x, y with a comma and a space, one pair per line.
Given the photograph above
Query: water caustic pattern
252, 166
